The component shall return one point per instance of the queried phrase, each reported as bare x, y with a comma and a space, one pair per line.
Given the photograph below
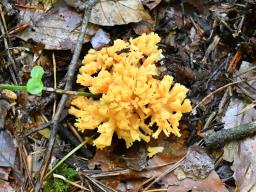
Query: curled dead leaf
56, 29
110, 13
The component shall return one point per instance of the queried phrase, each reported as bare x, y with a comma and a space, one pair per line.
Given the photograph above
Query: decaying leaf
7, 149
151, 4
100, 39
6, 187
142, 27
134, 158
242, 153
197, 164
246, 70
56, 29
4, 107
110, 12
4, 173
196, 173
210, 184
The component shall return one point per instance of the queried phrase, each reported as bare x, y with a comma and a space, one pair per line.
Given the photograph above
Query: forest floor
207, 46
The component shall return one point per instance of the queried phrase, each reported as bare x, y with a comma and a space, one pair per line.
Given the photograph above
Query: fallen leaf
242, 153
174, 149
6, 187
197, 164
134, 158
100, 39
56, 29
196, 173
151, 4
4, 107
110, 13
4, 173
104, 160
7, 149
245, 71
210, 184
142, 27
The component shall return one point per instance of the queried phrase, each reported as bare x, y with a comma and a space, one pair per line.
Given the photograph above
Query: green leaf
37, 72
35, 85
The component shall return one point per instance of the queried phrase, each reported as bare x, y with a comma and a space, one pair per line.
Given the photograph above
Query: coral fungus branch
130, 93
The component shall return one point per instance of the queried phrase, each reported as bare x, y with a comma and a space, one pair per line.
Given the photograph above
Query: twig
55, 83
70, 93
211, 47
22, 154
100, 185
70, 182
69, 79
225, 135
64, 158
214, 92
177, 164
236, 58
43, 126
10, 58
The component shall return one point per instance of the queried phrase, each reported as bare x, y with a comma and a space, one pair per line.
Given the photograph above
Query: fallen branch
69, 79
217, 139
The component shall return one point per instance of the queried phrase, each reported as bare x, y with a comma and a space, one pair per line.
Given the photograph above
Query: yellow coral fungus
154, 150
124, 75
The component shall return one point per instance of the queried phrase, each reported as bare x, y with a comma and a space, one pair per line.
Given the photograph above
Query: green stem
13, 87
48, 89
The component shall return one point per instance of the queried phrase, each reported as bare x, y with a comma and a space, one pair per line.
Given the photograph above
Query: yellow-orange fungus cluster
124, 75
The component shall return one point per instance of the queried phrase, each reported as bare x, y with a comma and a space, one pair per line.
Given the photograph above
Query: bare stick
69, 79
177, 164
39, 128
10, 58
217, 139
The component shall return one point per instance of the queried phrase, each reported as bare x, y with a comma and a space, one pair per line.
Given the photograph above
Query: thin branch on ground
177, 164
217, 139
39, 128
69, 80
214, 92
10, 58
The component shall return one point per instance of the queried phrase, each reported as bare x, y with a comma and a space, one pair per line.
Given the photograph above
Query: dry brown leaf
210, 184
4, 173
134, 158
196, 173
246, 71
242, 153
151, 4
110, 12
6, 187
142, 27
56, 29
4, 107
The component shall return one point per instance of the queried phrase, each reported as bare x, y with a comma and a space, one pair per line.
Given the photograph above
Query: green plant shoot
35, 85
